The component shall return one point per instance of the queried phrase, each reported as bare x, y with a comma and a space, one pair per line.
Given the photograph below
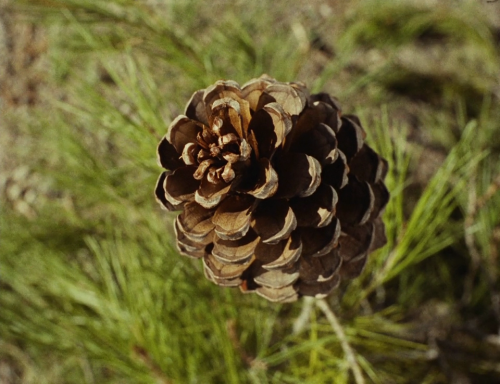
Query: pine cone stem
301, 322
346, 347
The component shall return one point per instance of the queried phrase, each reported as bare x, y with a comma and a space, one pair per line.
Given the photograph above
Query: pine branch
339, 331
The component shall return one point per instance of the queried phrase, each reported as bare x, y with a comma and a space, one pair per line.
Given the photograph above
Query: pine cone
279, 194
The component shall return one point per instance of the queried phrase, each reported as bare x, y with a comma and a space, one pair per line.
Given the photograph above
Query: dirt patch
23, 70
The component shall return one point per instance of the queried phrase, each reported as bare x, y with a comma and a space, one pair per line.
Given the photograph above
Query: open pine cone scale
278, 191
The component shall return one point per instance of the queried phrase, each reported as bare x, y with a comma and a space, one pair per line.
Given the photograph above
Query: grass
92, 289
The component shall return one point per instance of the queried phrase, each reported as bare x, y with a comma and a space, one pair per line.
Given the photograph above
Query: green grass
92, 289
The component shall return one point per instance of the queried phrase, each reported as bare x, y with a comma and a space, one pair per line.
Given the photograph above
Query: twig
475, 204
250, 361
472, 208
339, 331
478, 203
493, 188
301, 322
153, 367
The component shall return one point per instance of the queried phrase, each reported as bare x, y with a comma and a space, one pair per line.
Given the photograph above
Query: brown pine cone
279, 194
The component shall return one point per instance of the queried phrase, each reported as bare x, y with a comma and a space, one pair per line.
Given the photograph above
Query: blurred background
92, 289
